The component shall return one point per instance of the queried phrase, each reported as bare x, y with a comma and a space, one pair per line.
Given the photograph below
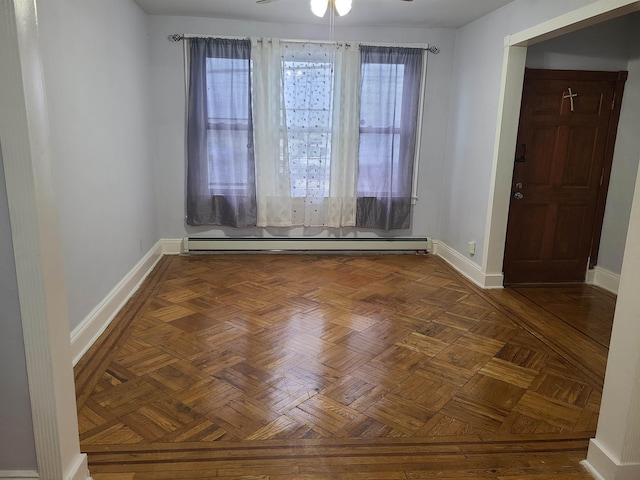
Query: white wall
477, 71
625, 163
610, 46
96, 63
600, 47
169, 107
615, 452
17, 447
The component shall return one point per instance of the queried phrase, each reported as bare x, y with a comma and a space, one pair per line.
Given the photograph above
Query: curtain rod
177, 37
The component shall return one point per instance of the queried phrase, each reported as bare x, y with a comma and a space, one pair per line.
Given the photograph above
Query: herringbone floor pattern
245, 356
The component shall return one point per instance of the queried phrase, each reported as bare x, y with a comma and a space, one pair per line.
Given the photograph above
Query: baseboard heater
199, 244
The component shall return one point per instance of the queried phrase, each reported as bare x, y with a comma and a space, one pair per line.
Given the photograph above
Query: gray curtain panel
220, 161
390, 96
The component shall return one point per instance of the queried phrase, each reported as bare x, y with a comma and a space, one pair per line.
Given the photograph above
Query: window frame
215, 125
421, 111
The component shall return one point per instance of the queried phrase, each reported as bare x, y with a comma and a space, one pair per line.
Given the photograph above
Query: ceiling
396, 13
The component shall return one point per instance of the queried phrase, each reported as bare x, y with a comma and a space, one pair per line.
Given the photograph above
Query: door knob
518, 196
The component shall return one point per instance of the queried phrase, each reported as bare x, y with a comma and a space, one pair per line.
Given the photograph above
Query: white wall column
515, 58
615, 452
24, 130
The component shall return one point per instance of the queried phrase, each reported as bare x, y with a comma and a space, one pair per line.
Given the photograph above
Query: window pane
228, 161
227, 87
381, 97
376, 166
228, 130
380, 121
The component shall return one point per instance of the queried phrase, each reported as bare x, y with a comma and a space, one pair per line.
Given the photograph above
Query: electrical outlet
472, 248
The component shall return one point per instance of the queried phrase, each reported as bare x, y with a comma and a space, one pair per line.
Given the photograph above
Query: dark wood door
563, 157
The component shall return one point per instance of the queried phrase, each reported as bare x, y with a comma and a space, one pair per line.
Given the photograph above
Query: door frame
619, 77
24, 128
612, 133
511, 86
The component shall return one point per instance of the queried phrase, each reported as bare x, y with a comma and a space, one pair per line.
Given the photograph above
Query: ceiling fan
319, 7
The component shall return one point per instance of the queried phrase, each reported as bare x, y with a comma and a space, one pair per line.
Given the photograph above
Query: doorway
565, 147
521, 49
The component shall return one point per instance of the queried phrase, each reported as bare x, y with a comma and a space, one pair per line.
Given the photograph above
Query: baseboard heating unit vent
196, 244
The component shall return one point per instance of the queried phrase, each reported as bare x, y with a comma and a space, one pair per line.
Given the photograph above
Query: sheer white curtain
346, 133
273, 189
306, 118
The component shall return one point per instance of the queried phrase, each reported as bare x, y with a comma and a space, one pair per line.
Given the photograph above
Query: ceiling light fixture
319, 7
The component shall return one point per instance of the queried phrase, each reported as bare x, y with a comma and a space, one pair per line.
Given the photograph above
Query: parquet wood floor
317, 367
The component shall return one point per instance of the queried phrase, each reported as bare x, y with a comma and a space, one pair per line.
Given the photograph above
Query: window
220, 160
228, 126
389, 106
303, 99
327, 140
308, 110
379, 127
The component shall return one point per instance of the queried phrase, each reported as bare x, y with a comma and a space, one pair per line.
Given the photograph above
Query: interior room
93, 205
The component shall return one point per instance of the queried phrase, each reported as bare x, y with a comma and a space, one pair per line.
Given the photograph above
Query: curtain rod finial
433, 49
176, 37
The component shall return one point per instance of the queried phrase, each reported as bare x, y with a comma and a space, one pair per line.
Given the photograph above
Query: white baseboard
80, 469
492, 281
598, 276
173, 246
466, 267
88, 331
602, 466
604, 279
17, 474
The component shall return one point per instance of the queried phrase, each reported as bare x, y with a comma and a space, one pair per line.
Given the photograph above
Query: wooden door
563, 158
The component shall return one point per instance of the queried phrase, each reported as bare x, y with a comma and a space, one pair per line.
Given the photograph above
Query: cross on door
570, 96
